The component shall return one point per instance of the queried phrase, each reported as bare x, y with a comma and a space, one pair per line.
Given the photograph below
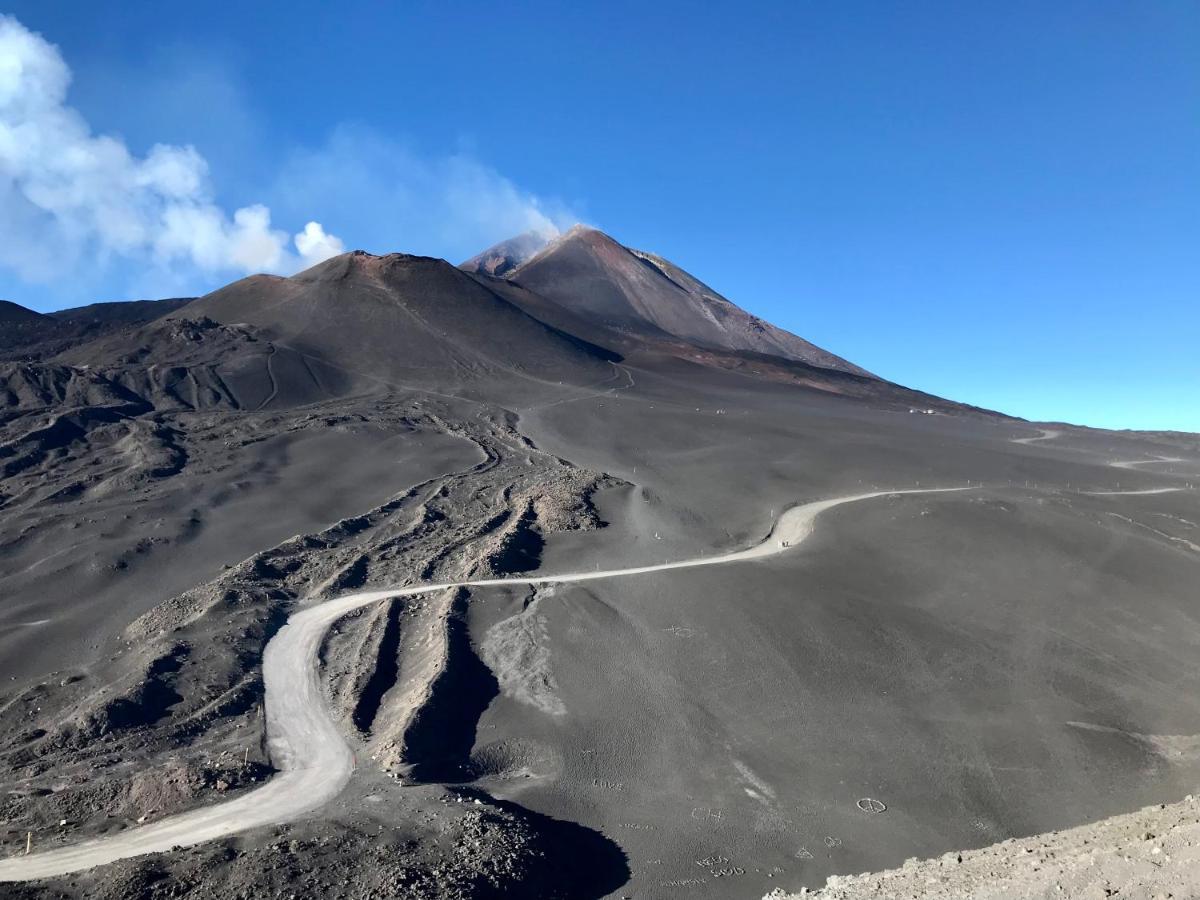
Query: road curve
1132, 463
1044, 434
313, 760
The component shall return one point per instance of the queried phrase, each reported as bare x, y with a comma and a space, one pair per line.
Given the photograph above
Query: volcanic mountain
502, 258
25, 334
14, 314
404, 318
360, 321
19, 325
638, 293
395, 578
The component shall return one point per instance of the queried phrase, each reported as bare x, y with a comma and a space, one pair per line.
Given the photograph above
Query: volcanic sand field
931, 652
925, 672
314, 760
66, 601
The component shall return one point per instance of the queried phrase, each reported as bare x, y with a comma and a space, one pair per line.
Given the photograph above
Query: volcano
401, 578
502, 258
639, 293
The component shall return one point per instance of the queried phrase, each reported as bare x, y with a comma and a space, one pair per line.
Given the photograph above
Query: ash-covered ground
924, 673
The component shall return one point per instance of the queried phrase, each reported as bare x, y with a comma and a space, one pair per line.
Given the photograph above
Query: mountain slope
20, 326
643, 294
971, 663
397, 317
118, 314
15, 314
507, 255
25, 334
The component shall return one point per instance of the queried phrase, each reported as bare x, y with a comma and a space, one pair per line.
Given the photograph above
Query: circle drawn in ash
869, 805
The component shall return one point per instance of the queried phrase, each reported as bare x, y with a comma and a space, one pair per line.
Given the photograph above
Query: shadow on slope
579, 862
441, 737
440, 742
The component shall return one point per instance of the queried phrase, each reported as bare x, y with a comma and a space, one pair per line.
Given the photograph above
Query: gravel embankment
1152, 853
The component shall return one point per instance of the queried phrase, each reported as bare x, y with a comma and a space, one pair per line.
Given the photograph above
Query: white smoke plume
68, 195
450, 206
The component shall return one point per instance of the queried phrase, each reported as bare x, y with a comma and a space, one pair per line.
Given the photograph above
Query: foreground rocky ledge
1151, 853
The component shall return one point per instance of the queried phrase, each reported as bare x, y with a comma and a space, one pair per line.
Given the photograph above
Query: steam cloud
450, 206
66, 193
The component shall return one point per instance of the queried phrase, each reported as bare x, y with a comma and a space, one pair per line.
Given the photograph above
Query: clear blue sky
994, 202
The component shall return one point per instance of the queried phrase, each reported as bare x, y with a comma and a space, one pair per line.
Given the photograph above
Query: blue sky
994, 202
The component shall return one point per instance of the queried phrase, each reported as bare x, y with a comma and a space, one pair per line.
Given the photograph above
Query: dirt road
312, 756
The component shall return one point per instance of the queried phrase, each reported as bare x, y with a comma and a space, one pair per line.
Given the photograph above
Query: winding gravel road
1133, 463
313, 760
1045, 434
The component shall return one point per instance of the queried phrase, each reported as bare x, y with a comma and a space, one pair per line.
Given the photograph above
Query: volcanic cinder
186, 484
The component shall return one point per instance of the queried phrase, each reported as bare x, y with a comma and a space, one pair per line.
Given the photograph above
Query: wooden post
28, 842
246, 758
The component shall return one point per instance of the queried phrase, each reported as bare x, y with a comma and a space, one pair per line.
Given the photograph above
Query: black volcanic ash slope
13, 315
28, 335
411, 319
643, 294
986, 663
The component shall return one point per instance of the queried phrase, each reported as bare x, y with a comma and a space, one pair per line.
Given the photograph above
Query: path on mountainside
313, 759
591, 392
1045, 434
1049, 433
1160, 490
271, 378
1131, 463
